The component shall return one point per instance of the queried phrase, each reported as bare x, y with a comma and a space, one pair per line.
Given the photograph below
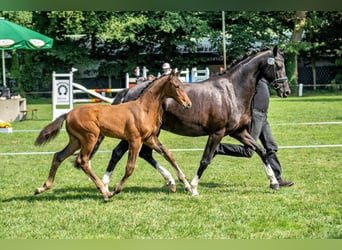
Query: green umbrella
14, 36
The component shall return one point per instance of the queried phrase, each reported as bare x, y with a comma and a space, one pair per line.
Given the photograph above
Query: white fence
199, 75
195, 76
64, 88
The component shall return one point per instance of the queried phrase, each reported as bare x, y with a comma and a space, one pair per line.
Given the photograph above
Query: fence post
300, 89
184, 75
145, 70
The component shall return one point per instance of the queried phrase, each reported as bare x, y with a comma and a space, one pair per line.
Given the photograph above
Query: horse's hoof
37, 191
172, 187
107, 196
275, 186
195, 194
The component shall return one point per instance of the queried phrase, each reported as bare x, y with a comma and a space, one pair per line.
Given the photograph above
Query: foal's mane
148, 85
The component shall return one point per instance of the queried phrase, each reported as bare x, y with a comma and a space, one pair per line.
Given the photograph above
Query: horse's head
176, 90
274, 72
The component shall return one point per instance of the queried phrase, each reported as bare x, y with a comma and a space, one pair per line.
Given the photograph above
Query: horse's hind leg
146, 154
58, 158
117, 154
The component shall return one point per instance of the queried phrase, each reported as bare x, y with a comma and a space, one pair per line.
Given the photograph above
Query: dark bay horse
136, 122
221, 106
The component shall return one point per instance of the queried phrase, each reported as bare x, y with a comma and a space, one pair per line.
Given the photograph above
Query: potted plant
5, 127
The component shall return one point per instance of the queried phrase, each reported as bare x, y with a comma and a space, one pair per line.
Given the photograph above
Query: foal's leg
208, 154
132, 158
154, 143
146, 154
83, 162
249, 141
58, 158
96, 147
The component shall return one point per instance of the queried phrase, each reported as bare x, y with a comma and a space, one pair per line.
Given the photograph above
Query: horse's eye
177, 86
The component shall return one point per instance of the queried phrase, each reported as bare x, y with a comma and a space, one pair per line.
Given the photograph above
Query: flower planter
6, 130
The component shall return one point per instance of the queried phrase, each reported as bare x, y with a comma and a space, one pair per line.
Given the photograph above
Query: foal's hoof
172, 187
275, 186
189, 189
108, 196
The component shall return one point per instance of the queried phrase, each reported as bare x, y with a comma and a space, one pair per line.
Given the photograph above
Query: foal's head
275, 74
175, 90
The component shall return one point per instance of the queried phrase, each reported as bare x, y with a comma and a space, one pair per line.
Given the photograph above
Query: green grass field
234, 203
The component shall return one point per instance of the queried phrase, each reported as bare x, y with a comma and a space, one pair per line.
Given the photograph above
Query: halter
277, 82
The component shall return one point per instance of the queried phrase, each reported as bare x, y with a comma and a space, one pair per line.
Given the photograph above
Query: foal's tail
50, 131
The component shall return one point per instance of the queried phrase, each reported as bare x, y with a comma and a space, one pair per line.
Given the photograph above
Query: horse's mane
249, 55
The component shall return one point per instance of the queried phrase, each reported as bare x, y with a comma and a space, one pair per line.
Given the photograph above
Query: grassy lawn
234, 203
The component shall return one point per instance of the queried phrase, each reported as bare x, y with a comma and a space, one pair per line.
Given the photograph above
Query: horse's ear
171, 75
275, 50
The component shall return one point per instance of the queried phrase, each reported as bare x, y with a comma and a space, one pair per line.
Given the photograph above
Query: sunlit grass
234, 203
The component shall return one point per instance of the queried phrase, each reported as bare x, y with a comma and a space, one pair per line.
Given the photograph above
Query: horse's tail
50, 131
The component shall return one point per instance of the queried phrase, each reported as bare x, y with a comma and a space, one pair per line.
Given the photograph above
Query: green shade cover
14, 36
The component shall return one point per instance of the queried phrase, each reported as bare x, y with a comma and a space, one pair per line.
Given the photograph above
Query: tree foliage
107, 43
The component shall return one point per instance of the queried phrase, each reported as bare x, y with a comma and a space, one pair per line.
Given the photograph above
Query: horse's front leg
132, 158
208, 154
84, 164
244, 137
146, 154
154, 143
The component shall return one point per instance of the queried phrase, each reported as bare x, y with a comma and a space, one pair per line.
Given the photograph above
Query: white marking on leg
106, 180
270, 174
194, 185
166, 174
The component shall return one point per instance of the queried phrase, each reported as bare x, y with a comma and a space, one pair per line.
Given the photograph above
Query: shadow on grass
58, 195
90, 193
240, 188
85, 193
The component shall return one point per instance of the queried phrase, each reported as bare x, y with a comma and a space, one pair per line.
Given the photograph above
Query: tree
299, 21
112, 43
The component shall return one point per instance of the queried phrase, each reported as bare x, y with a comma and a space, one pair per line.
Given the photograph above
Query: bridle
277, 82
